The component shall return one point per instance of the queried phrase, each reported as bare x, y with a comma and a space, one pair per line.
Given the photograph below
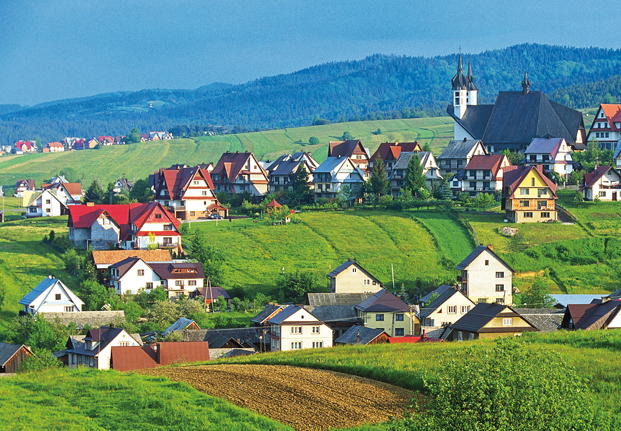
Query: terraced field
303, 398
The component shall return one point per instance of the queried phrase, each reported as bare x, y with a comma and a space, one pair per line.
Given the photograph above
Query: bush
510, 387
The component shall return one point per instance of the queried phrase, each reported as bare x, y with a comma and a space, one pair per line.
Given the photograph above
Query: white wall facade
303, 331
132, 281
485, 276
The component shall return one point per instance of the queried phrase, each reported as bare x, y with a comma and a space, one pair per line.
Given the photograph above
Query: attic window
195, 183
57, 297
354, 269
158, 215
486, 262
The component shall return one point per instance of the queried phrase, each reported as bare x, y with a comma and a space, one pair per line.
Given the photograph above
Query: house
339, 318
483, 174
12, 356
457, 155
604, 184
239, 172
212, 293
334, 174
489, 321
181, 324
552, 153
68, 193
122, 185
283, 176
55, 147
351, 277
397, 175
26, 146
514, 119
363, 336
600, 314
160, 136
389, 152
96, 352
91, 319
485, 277
106, 140
46, 203
606, 127
317, 299
388, 312
562, 301
132, 274
124, 226
129, 358
544, 319
24, 185
51, 295
446, 309
269, 311
409, 339
187, 192
295, 328
102, 259
528, 195
223, 341
354, 150
90, 144
431, 296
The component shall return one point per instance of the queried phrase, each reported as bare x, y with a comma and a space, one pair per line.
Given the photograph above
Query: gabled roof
476, 253
28, 183
7, 351
345, 148
515, 175
44, 288
268, 311
486, 163
213, 292
333, 313
174, 270
474, 120
336, 271
544, 146
103, 335
459, 149
317, 299
544, 319
165, 353
332, 165
230, 166
108, 257
359, 335
274, 204
613, 115
482, 314
179, 325
284, 314
391, 150
440, 300
593, 316
217, 338
382, 301
590, 179
440, 290
125, 265
179, 178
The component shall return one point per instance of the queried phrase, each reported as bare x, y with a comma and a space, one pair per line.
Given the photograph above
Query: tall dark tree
95, 193
414, 178
301, 192
378, 183
210, 257
141, 191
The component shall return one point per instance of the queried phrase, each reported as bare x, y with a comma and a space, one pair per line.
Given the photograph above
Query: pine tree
95, 193
414, 178
445, 185
301, 187
378, 183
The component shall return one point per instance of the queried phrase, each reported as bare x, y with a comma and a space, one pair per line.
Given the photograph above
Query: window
500, 275
524, 203
354, 269
159, 215
168, 227
195, 183
68, 309
452, 309
399, 332
47, 201
455, 183
47, 210
167, 241
191, 282
532, 181
486, 262
602, 194
204, 193
366, 282
317, 344
473, 184
296, 345
465, 309
178, 282
140, 272
500, 301
545, 215
296, 329
471, 336
500, 288
507, 321
524, 191
379, 317
528, 215
32, 209
124, 343
57, 297
149, 285
460, 336
316, 329
398, 317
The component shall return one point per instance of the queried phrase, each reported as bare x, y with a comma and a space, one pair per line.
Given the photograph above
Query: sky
59, 49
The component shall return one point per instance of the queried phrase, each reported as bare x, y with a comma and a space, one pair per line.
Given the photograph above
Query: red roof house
159, 354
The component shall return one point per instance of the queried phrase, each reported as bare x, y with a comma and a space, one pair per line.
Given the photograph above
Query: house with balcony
44, 203
187, 191
528, 195
130, 226
430, 170
295, 328
335, 173
604, 183
457, 155
606, 127
386, 311
553, 154
389, 152
483, 174
354, 150
239, 172
485, 277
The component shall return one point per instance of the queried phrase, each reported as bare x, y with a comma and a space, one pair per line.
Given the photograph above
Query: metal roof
359, 335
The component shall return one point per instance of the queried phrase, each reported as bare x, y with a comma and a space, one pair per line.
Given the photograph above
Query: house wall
102, 361
131, 282
13, 365
532, 190
352, 280
607, 188
298, 328
45, 206
104, 233
174, 290
79, 237
49, 304
615, 323
410, 323
481, 280
442, 316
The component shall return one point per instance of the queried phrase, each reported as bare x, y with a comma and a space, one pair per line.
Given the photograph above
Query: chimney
491, 247
424, 334
465, 139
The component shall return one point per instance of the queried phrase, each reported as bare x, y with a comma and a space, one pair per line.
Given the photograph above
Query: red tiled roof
187, 351
487, 163
129, 358
158, 233
55, 145
394, 149
274, 204
590, 179
20, 144
178, 179
613, 115
104, 257
345, 148
74, 189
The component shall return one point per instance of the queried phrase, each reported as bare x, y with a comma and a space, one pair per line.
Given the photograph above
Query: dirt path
303, 398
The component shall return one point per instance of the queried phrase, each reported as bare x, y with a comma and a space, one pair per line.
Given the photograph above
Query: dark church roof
459, 81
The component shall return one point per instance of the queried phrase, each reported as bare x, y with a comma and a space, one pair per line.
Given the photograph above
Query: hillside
388, 86
140, 160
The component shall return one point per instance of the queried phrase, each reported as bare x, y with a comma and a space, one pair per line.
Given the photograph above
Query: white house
553, 154
485, 277
44, 204
294, 328
604, 183
606, 127
96, 350
336, 172
238, 173
446, 309
51, 295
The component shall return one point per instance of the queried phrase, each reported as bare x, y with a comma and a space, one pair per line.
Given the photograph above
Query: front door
614, 196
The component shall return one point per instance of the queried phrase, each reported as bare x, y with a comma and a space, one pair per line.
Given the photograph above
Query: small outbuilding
12, 356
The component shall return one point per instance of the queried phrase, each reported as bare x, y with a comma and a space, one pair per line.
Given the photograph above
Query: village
137, 248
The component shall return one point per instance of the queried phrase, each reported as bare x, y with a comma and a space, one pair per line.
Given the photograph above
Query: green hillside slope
140, 160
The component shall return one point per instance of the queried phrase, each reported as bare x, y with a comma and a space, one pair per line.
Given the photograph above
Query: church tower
472, 97
460, 91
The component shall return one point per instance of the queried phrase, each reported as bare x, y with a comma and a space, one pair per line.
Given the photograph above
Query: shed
12, 356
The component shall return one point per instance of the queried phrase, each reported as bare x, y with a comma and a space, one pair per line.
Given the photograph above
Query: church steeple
470, 79
525, 84
459, 81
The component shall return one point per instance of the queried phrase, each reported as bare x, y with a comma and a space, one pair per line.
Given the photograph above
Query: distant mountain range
375, 87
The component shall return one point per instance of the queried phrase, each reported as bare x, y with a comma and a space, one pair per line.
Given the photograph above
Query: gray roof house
335, 173
457, 154
362, 335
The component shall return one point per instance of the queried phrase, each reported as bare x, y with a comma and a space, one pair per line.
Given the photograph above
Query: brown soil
303, 398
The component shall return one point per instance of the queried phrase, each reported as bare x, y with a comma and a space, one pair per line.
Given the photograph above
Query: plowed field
303, 398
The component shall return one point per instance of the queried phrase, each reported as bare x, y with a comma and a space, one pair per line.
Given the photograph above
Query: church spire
525, 84
459, 81
470, 78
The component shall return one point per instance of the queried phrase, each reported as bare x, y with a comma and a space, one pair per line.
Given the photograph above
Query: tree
210, 257
414, 178
70, 174
294, 285
220, 304
141, 191
42, 359
313, 140
445, 189
301, 191
96, 295
378, 183
346, 195
538, 295
515, 157
513, 386
133, 137
347, 136
152, 242
95, 193
426, 146
164, 312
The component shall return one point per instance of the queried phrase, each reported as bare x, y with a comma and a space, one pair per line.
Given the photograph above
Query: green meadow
140, 160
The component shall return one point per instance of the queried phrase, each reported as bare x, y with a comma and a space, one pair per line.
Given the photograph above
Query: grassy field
255, 253
140, 160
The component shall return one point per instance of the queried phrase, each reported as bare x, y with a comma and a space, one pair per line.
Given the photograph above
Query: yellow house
490, 321
528, 195
350, 277
387, 312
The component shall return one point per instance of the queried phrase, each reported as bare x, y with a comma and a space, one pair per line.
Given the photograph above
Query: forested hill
378, 85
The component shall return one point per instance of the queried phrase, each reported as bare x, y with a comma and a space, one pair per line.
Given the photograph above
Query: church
514, 120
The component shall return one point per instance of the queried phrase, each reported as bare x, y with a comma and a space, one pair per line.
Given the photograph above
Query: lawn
140, 160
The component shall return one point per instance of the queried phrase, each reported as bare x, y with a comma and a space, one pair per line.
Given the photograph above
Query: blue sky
57, 49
